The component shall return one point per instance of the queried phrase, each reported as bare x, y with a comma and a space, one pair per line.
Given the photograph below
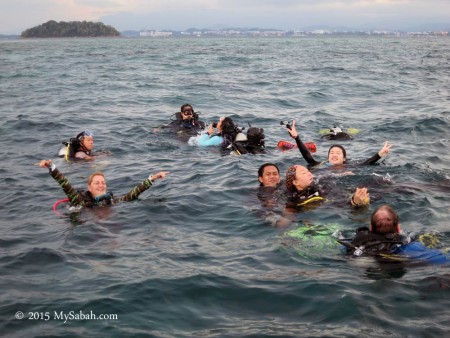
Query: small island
53, 29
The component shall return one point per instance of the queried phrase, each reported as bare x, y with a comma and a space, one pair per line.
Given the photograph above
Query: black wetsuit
312, 162
366, 243
272, 196
313, 193
186, 128
324, 190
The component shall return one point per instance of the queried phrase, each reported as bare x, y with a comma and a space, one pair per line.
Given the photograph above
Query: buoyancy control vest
366, 243
337, 133
71, 147
252, 143
194, 123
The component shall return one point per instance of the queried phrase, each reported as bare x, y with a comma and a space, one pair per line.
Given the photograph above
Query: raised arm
382, 153
141, 187
73, 194
301, 146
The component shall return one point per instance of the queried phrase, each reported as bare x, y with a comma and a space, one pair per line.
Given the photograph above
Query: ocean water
197, 255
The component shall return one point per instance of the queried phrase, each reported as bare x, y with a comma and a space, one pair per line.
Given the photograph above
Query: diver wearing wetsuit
336, 154
271, 188
79, 147
303, 189
312, 162
97, 195
187, 121
385, 241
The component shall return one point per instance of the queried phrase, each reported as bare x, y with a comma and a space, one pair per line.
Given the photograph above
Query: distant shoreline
246, 33
123, 36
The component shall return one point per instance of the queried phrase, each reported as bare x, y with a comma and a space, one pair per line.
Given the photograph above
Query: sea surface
198, 255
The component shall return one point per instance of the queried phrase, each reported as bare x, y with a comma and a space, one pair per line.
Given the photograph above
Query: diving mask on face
84, 134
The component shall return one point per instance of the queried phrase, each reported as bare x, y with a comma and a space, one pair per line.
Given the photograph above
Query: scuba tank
73, 146
336, 133
366, 243
69, 149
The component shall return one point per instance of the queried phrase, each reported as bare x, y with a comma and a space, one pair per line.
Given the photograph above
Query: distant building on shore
155, 34
256, 32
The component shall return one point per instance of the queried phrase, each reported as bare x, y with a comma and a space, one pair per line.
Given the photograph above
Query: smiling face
270, 176
97, 184
336, 156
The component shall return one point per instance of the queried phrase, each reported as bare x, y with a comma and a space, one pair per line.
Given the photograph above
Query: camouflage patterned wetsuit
85, 198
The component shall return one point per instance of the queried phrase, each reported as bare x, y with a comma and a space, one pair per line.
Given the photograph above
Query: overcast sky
18, 15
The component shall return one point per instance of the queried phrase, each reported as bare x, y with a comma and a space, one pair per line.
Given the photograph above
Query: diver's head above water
86, 140
384, 220
187, 112
226, 125
298, 178
337, 155
269, 175
97, 184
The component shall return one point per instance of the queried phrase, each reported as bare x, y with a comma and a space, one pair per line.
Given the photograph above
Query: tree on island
53, 29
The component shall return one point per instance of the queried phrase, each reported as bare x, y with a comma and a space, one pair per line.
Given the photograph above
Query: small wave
35, 259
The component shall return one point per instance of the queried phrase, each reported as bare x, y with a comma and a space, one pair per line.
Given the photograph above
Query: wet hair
261, 168
290, 177
384, 225
91, 177
83, 134
77, 143
228, 126
228, 132
340, 147
185, 106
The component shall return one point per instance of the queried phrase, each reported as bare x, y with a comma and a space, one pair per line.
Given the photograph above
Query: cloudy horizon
181, 15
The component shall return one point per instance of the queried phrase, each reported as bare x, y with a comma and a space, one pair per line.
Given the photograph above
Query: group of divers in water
382, 239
